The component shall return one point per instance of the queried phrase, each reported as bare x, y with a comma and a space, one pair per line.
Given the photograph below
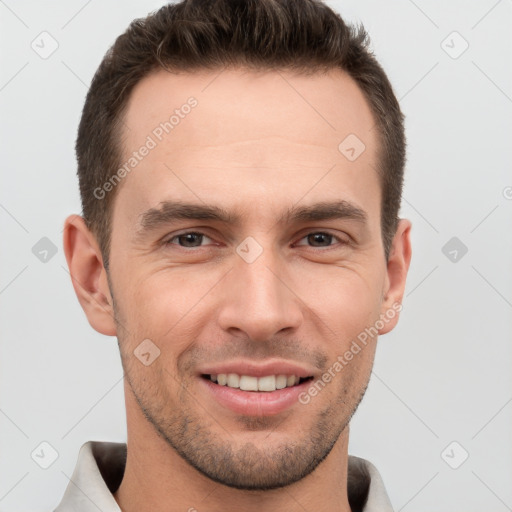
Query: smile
267, 383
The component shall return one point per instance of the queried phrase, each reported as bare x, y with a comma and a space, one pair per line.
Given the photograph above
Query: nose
258, 298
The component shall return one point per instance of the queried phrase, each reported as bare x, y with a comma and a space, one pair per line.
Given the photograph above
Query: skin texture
256, 144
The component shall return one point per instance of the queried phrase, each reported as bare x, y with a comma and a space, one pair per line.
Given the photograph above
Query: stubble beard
208, 446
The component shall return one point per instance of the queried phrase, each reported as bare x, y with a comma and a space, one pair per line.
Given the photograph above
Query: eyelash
340, 241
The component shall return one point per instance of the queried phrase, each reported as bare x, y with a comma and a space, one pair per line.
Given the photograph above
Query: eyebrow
171, 211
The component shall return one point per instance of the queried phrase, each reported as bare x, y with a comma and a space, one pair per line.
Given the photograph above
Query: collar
100, 468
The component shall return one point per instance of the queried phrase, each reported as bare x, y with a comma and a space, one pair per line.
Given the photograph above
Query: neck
157, 479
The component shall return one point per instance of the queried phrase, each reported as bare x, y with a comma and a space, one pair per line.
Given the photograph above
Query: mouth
252, 383
255, 388
251, 395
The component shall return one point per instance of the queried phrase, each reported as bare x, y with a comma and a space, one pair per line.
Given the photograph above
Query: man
221, 146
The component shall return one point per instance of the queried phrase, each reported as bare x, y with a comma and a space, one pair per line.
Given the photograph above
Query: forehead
245, 136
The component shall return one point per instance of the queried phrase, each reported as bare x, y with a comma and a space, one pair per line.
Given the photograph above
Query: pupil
317, 237
189, 237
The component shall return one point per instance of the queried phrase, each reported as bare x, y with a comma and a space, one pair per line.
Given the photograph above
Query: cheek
167, 306
345, 298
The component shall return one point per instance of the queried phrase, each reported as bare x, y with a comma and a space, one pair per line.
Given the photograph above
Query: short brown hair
300, 35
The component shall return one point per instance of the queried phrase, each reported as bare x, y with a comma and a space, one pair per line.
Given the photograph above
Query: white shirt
100, 468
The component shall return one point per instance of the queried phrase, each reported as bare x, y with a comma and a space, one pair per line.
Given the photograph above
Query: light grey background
442, 375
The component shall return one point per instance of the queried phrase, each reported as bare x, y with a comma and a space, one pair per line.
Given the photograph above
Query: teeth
250, 383
233, 380
281, 381
267, 383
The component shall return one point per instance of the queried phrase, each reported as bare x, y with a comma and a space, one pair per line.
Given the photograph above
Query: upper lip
254, 369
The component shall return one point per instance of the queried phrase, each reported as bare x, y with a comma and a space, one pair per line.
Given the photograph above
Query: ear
88, 275
396, 274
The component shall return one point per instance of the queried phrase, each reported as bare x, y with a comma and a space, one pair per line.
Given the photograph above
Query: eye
189, 239
321, 239
193, 239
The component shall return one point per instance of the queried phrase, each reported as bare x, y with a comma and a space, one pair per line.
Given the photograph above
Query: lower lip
255, 403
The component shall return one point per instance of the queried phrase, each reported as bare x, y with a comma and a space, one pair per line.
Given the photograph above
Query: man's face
263, 293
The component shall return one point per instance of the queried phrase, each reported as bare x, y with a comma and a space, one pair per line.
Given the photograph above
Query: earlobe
396, 275
88, 275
